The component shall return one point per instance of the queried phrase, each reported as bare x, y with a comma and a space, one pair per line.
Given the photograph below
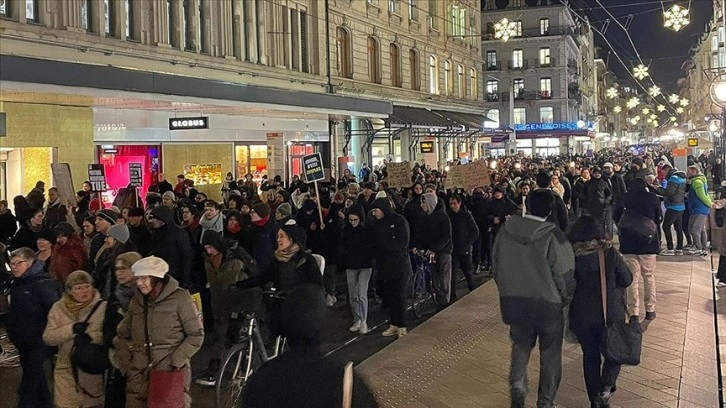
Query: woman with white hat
165, 314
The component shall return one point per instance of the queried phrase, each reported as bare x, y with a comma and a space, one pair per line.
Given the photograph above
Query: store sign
97, 177
201, 122
313, 167
135, 175
559, 126
692, 142
427, 147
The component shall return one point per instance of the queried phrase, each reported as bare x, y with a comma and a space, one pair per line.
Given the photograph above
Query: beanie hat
150, 266
170, 195
261, 209
47, 235
296, 233
431, 201
638, 161
119, 232
383, 204
136, 212
129, 258
107, 215
284, 209
357, 209
213, 239
78, 278
64, 229
115, 209
606, 165
309, 205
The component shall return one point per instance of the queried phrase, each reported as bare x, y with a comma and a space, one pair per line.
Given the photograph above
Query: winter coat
55, 213
699, 202
586, 306
599, 195
533, 266
717, 226
175, 334
219, 280
36, 199
500, 209
644, 203
68, 258
559, 215
413, 213
104, 275
435, 233
141, 237
8, 227
674, 194
356, 242
59, 333
285, 276
262, 244
172, 245
25, 237
390, 246
33, 294
580, 193
617, 184
463, 231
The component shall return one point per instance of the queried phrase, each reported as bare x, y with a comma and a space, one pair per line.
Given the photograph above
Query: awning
471, 121
408, 116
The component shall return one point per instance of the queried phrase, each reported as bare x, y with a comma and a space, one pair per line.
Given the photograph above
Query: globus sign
201, 122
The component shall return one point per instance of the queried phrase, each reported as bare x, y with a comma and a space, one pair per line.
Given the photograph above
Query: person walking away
464, 233
36, 196
559, 215
435, 239
161, 330
599, 195
639, 250
8, 224
534, 271
356, 258
33, 293
586, 314
674, 196
393, 265
699, 204
71, 318
172, 245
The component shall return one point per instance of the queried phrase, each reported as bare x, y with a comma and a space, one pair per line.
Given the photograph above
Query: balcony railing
494, 66
492, 96
541, 64
511, 64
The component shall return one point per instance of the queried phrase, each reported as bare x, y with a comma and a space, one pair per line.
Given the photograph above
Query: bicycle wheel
237, 364
417, 300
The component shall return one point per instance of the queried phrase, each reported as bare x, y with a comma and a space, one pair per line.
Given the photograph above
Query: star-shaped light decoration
673, 98
640, 72
684, 102
654, 91
645, 111
632, 102
654, 116
505, 29
649, 120
675, 18
673, 119
660, 108
679, 109
617, 109
611, 93
634, 121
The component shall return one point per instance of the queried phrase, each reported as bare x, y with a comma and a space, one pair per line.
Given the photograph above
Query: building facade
548, 66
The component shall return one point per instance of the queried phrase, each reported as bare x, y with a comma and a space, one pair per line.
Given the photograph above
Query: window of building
415, 68
492, 86
129, 19
518, 28
517, 59
395, 54
87, 15
171, 13
31, 10
188, 22
473, 84
433, 75
544, 56
516, 3
394, 6
520, 116
448, 83
433, 14
458, 21
518, 87
304, 41
545, 87
374, 2
460, 89
491, 60
109, 17
412, 10
344, 53
544, 26
5, 8
374, 60
546, 114
493, 122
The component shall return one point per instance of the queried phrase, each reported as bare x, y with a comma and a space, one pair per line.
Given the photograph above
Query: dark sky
662, 49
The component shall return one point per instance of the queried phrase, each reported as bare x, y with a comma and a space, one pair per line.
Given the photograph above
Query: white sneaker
390, 331
355, 327
668, 252
720, 284
210, 381
678, 252
363, 328
402, 332
330, 300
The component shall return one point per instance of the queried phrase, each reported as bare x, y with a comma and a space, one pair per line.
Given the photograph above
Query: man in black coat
172, 244
464, 233
559, 215
599, 196
435, 239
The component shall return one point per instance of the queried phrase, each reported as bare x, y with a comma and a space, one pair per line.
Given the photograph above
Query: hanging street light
673, 98
676, 18
654, 91
617, 109
673, 119
640, 72
654, 116
679, 109
645, 111
660, 108
611, 93
684, 102
632, 102
505, 29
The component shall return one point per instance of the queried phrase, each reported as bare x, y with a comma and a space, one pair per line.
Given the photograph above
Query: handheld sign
135, 174
313, 166
63, 180
97, 177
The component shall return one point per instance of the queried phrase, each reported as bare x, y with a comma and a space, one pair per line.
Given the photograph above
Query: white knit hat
150, 266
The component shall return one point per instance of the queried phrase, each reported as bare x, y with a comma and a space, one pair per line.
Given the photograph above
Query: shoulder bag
637, 224
89, 357
623, 342
166, 388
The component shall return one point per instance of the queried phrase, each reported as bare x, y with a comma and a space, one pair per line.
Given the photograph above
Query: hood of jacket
700, 177
678, 175
36, 270
589, 247
526, 230
357, 209
164, 214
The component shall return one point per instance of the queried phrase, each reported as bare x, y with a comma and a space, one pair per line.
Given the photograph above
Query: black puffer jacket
356, 242
463, 230
645, 203
390, 246
172, 245
435, 232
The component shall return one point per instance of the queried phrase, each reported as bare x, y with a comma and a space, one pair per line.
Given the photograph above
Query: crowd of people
121, 276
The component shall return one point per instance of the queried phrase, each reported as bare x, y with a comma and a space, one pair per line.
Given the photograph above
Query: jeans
641, 265
721, 273
686, 231
524, 335
392, 294
33, 391
673, 218
599, 375
329, 279
441, 276
358, 292
464, 262
697, 227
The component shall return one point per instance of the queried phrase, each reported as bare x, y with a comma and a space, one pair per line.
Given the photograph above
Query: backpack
251, 267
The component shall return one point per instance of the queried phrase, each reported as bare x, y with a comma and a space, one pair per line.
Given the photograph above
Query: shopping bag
166, 389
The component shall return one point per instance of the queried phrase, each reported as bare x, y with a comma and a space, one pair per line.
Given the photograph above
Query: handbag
623, 342
89, 357
166, 388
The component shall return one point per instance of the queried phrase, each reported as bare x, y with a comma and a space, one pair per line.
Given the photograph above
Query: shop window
116, 160
295, 153
204, 174
251, 159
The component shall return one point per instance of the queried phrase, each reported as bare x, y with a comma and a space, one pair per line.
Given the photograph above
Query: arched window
374, 60
433, 75
396, 79
415, 67
344, 51
448, 79
460, 89
473, 84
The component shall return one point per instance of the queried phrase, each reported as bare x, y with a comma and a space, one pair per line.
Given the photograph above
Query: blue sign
559, 126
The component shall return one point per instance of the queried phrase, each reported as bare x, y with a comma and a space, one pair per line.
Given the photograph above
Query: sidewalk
460, 357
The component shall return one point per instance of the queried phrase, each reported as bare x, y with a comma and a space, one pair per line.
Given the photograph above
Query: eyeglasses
352, 220
17, 263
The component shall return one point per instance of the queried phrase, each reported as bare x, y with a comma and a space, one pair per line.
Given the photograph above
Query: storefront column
405, 142
176, 19
261, 31
238, 30
355, 147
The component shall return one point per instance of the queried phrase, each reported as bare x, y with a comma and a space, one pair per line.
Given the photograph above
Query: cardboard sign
427, 146
475, 174
399, 175
313, 166
692, 142
135, 174
64, 182
97, 177
454, 178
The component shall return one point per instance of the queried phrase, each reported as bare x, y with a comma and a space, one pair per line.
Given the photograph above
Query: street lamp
718, 95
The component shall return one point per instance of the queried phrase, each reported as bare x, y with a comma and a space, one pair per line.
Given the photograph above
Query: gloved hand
80, 328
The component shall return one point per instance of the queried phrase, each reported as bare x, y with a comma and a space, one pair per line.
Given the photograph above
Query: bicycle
421, 284
245, 356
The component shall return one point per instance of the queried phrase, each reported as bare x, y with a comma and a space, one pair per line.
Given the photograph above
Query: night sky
662, 49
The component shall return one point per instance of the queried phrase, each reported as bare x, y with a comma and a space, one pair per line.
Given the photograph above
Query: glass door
295, 152
251, 159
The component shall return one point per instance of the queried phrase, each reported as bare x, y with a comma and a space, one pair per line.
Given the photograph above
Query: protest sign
63, 181
97, 177
399, 175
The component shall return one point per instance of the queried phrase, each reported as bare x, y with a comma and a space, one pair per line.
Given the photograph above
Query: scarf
285, 255
588, 247
234, 229
75, 307
123, 295
262, 221
215, 224
156, 290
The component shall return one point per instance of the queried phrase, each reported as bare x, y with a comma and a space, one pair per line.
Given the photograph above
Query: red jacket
68, 258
